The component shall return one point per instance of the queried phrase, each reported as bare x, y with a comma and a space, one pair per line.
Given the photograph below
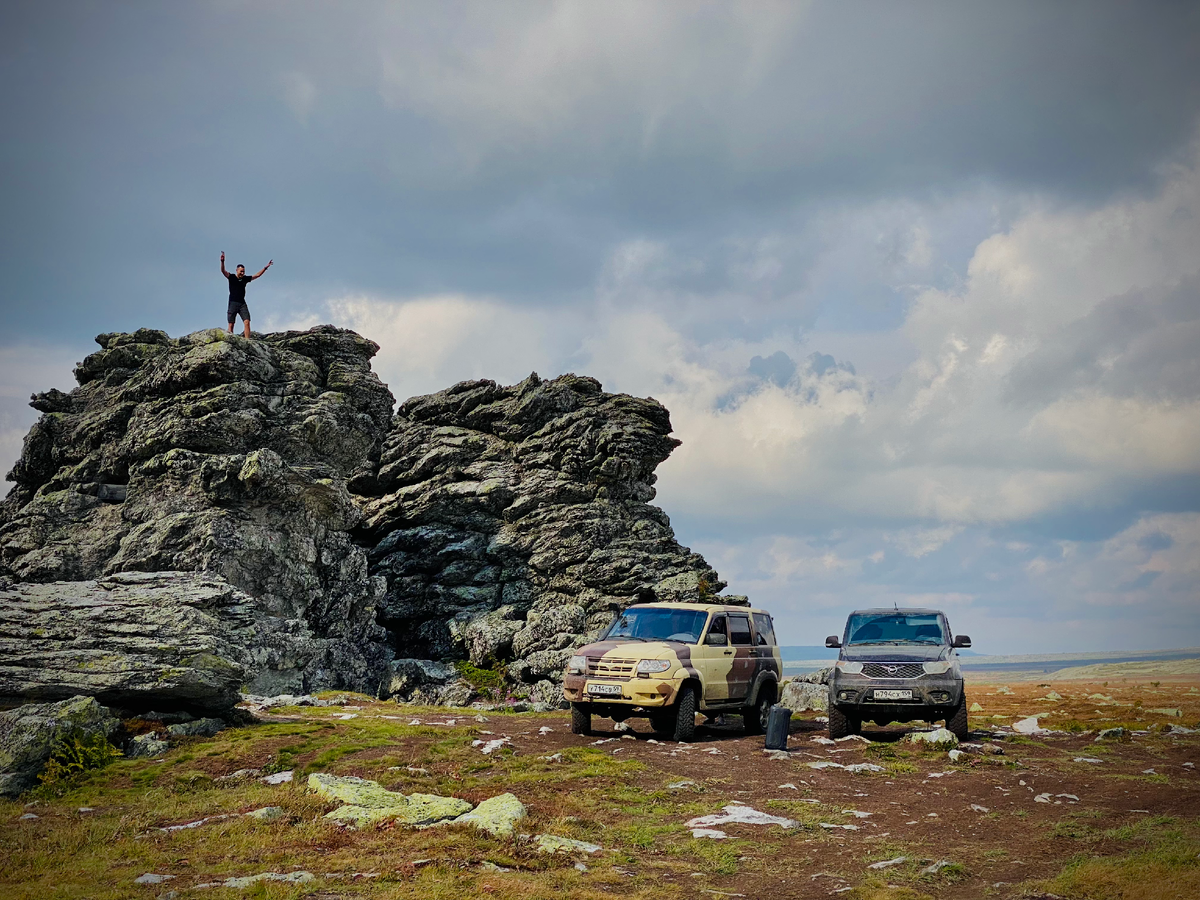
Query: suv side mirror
716, 640
962, 641
832, 641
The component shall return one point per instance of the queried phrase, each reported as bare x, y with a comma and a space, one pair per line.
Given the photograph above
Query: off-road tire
685, 715
957, 724
755, 717
581, 718
841, 725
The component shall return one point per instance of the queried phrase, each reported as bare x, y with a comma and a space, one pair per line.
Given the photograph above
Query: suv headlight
577, 665
936, 668
649, 666
850, 668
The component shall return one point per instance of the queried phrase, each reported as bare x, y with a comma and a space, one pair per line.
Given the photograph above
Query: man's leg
246, 322
231, 328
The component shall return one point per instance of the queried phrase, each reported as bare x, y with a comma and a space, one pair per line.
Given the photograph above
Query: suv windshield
895, 628
650, 624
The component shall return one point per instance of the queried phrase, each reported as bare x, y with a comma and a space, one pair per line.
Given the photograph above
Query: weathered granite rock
802, 695
939, 738
368, 802
553, 843
28, 734
147, 746
498, 815
132, 640
503, 525
211, 453
510, 523
205, 727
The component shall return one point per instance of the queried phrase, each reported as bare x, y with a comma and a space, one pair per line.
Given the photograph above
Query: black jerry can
778, 721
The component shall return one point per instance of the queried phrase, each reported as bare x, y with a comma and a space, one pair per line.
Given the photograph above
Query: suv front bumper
855, 694
651, 693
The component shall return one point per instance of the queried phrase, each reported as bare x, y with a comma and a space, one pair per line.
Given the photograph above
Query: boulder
498, 816
802, 695
206, 727
368, 802
938, 739
133, 640
28, 735
147, 746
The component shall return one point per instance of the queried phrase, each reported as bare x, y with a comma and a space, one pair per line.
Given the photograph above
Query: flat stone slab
498, 816
368, 802
552, 843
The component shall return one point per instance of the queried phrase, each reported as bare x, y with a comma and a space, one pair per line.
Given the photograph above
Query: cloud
299, 94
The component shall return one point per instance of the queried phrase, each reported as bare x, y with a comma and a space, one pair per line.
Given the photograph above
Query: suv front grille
611, 668
893, 670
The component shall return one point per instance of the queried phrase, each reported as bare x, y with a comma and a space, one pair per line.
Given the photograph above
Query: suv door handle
728, 652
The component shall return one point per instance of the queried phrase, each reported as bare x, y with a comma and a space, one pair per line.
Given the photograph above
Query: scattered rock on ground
740, 814
939, 738
553, 843
206, 727
1119, 733
147, 746
266, 813
367, 802
496, 815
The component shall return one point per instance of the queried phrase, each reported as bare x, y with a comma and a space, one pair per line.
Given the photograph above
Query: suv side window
765, 630
739, 631
718, 626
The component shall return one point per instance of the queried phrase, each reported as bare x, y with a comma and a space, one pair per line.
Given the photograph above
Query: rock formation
510, 523
353, 548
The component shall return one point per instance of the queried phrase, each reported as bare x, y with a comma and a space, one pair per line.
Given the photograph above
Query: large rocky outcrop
503, 525
215, 454
511, 522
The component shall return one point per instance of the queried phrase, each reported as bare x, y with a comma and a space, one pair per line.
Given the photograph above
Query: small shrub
486, 681
73, 754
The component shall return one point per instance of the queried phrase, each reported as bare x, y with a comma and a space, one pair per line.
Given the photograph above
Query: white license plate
613, 690
893, 695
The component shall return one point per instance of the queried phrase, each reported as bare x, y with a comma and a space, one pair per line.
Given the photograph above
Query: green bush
74, 753
486, 681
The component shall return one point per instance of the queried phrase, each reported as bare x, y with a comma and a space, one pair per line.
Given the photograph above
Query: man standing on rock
237, 293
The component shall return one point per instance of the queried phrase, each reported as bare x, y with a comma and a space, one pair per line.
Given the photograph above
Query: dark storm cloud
408, 149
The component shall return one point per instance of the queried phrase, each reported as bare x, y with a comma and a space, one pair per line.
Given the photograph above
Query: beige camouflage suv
668, 661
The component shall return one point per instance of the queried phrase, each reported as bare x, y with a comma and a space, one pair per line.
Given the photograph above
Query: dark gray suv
897, 665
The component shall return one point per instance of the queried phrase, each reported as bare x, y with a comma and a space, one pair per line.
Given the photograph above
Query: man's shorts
238, 309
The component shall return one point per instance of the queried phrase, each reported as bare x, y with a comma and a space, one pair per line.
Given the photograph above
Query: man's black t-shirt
237, 287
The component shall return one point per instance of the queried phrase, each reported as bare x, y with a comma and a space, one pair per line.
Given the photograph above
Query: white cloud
299, 94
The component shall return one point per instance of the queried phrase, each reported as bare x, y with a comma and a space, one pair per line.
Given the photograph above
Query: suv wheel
685, 715
957, 723
755, 717
581, 718
841, 725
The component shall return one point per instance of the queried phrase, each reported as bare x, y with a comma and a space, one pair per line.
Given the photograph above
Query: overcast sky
919, 282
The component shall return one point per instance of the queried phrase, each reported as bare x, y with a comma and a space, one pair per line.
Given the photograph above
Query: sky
919, 283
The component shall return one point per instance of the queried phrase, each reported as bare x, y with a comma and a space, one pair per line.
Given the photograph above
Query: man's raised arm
263, 270
223, 272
